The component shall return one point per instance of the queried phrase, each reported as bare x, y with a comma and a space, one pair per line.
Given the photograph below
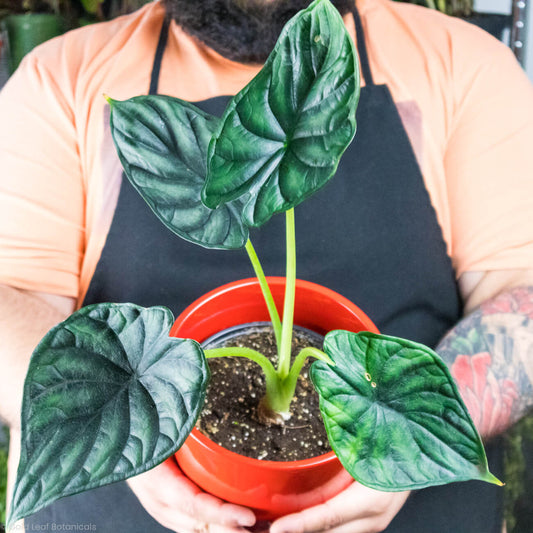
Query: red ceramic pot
270, 488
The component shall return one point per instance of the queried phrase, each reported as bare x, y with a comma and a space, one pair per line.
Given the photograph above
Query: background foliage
518, 468
456, 8
76, 12
4, 442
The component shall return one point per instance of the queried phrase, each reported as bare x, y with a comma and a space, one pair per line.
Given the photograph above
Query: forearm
24, 319
490, 354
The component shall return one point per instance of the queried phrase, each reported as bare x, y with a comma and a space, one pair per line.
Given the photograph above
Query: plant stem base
230, 419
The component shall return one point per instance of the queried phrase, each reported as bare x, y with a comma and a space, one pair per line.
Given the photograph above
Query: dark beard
241, 30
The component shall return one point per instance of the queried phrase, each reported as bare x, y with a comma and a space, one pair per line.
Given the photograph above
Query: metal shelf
519, 29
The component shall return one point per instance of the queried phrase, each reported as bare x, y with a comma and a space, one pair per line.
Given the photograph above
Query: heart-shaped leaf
108, 395
162, 144
281, 138
393, 414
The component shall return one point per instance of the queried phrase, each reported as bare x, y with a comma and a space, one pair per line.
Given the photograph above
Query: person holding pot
426, 227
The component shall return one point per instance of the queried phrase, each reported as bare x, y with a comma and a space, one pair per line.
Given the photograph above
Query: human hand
178, 504
356, 509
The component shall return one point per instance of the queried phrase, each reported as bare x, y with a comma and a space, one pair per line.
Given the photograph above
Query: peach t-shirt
464, 100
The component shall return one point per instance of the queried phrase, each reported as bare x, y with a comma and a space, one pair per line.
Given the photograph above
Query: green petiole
267, 294
284, 361
279, 390
285, 388
253, 355
281, 381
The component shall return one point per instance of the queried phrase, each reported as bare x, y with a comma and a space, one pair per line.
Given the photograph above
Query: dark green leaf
282, 136
162, 144
393, 414
108, 395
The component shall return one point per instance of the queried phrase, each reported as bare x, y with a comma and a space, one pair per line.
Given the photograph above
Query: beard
241, 30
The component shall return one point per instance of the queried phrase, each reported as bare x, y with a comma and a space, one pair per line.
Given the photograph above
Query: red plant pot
270, 488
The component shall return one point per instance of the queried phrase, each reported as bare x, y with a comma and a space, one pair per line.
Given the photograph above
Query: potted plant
296, 469
30, 23
109, 394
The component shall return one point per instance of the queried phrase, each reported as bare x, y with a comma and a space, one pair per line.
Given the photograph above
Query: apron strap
361, 47
156, 68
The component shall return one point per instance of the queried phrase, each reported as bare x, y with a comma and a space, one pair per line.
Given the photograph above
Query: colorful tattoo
490, 355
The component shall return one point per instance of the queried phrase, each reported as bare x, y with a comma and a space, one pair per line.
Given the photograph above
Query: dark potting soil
229, 417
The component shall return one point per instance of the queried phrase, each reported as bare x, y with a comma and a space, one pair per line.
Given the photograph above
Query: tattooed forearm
490, 354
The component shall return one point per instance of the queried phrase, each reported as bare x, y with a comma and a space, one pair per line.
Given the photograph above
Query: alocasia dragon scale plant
109, 394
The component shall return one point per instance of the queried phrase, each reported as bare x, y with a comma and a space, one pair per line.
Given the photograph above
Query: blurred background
26, 23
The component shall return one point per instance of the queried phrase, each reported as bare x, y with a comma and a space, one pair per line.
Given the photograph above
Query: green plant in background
92, 11
456, 8
99, 10
29, 23
109, 394
74, 11
518, 503
40, 6
120, 7
4, 445
68, 9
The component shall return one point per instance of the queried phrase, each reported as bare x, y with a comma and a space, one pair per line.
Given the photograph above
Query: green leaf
282, 136
393, 414
162, 144
108, 395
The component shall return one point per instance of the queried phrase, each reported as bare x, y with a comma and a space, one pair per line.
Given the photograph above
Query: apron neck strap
361, 47
156, 68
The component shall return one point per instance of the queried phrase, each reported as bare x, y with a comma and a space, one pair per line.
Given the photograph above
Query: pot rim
246, 282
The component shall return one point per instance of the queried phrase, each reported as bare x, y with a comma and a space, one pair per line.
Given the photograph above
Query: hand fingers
212, 509
357, 509
179, 504
206, 507
183, 523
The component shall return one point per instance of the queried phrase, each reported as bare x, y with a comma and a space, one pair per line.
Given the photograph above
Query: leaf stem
249, 353
288, 304
287, 386
267, 294
309, 351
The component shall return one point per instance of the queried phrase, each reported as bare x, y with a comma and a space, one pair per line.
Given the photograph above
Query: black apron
370, 234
